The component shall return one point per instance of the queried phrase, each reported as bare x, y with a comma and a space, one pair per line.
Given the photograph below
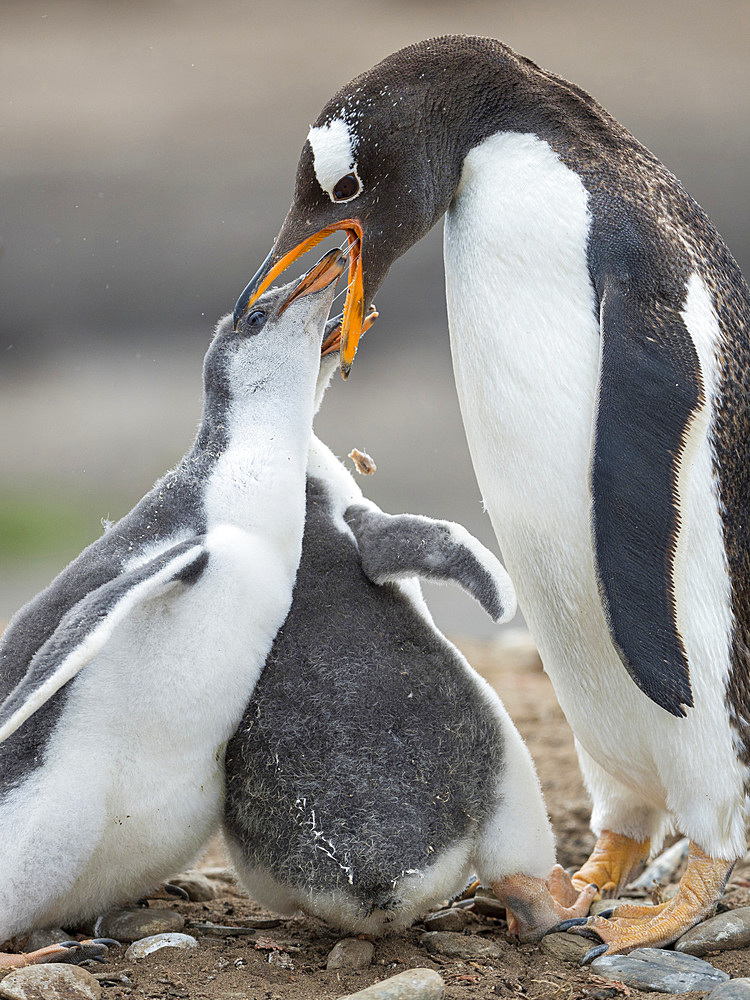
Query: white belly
525, 342
134, 780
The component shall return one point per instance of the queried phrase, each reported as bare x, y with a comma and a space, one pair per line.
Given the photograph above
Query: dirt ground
287, 961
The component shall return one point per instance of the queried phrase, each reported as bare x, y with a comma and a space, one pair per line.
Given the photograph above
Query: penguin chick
123, 680
374, 770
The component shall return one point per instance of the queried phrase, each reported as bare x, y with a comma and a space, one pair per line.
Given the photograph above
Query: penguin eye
254, 320
346, 188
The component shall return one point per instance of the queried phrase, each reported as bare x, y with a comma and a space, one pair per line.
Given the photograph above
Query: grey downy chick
374, 770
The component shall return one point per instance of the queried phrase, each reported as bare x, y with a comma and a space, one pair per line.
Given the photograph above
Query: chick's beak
278, 261
332, 342
328, 269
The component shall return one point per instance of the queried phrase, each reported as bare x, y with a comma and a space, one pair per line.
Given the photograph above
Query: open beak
353, 321
328, 269
333, 341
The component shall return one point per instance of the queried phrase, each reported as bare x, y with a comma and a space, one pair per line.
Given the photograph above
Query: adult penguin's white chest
525, 340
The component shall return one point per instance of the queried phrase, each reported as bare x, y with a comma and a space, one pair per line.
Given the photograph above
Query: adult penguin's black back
599, 330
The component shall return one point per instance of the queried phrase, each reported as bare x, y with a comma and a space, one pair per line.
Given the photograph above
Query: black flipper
650, 386
85, 629
393, 547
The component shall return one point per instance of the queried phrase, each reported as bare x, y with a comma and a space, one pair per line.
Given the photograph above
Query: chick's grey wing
396, 546
87, 626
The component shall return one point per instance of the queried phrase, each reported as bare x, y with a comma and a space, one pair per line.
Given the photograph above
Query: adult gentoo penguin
374, 771
123, 680
599, 329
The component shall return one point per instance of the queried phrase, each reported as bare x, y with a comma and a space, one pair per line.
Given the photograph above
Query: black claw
91, 950
71, 956
573, 922
176, 890
606, 914
587, 932
593, 953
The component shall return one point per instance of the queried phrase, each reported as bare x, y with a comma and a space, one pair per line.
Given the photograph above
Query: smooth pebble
198, 886
566, 947
734, 989
222, 930
40, 938
487, 903
659, 970
155, 942
462, 945
351, 953
134, 924
662, 870
719, 933
453, 919
50, 982
414, 984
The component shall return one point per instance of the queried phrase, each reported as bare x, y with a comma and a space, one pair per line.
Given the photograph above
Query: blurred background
147, 158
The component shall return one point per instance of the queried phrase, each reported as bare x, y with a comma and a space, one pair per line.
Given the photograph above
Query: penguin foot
52, 953
614, 862
534, 905
655, 926
70, 952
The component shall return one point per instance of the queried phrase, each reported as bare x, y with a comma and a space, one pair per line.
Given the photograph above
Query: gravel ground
287, 961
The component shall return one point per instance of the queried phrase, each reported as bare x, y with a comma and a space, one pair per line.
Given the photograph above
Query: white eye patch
333, 156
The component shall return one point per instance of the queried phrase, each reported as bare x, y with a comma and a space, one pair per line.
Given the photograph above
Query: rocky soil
244, 953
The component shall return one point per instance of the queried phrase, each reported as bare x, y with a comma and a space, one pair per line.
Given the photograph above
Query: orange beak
352, 325
333, 341
328, 269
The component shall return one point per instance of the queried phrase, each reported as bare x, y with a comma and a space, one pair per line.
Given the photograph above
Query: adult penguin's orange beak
286, 251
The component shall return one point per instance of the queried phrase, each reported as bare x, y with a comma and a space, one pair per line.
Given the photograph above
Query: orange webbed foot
71, 952
635, 926
614, 862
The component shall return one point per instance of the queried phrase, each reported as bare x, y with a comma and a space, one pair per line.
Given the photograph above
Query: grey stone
462, 945
220, 930
487, 903
148, 945
136, 923
198, 886
719, 933
566, 947
262, 923
659, 970
453, 919
662, 870
40, 938
351, 953
734, 989
50, 982
414, 984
